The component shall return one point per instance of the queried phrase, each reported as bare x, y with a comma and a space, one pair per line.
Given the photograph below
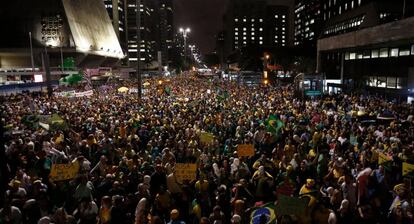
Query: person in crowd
112, 157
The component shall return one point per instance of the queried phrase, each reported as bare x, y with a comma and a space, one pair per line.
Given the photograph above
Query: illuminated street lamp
185, 33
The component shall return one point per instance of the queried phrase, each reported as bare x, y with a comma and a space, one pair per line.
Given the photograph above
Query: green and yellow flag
266, 212
274, 124
382, 158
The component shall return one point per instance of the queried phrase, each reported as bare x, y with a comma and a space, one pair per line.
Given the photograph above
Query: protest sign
185, 171
245, 150
60, 172
407, 169
206, 138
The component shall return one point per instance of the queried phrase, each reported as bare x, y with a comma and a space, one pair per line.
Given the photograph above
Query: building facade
369, 45
257, 23
308, 22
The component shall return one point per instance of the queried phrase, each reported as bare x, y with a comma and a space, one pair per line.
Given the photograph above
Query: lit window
391, 82
346, 6
394, 52
347, 56
260, 42
244, 20
252, 38
366, 54
283, 16
236, 28
352, 4
252, 29
276, 16
260, 29
244, 28
383, 52
283, 41
359, 2
252, 20
260, 20
399, 83
382, 81
236, 33
312, 21
252, 33
283, 45
260, 38
283, 28
236, 38
244, 42
283, 21
404, 52
236, 20
352, 56
374, 53
244, 33
244, 38
412, 49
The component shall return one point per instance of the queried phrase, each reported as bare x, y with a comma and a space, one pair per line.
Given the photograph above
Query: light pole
138, 25
185, 32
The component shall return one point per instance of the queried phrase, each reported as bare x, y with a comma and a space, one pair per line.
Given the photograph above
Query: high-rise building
258, 23
156, 30
308, 22
146, 28
368, 44
166, 29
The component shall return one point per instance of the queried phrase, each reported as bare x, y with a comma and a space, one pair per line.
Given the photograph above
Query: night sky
203, 17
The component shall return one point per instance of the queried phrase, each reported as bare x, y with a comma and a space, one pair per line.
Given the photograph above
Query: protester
342, 154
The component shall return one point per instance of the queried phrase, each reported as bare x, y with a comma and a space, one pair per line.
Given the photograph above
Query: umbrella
123, 89
146, 84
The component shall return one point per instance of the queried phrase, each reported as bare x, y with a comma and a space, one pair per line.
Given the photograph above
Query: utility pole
47, 70
31, 51
138, 25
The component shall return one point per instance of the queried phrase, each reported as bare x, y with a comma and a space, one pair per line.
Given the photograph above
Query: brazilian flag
274, 124
167, 90
265, 212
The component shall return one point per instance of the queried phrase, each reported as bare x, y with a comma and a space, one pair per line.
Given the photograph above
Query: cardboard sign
291, 205
206, 138
185, 171
245, 150
407, 169
61, 172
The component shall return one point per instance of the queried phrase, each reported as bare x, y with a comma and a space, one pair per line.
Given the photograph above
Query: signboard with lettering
185, 172
313, 93
60, 172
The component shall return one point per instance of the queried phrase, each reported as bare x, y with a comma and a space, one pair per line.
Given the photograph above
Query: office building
308, 22
166, 30
368, 44
261, 24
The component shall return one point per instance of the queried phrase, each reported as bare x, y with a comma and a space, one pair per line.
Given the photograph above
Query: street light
185, 32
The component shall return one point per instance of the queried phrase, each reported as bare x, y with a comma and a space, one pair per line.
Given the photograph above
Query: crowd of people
342, 152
